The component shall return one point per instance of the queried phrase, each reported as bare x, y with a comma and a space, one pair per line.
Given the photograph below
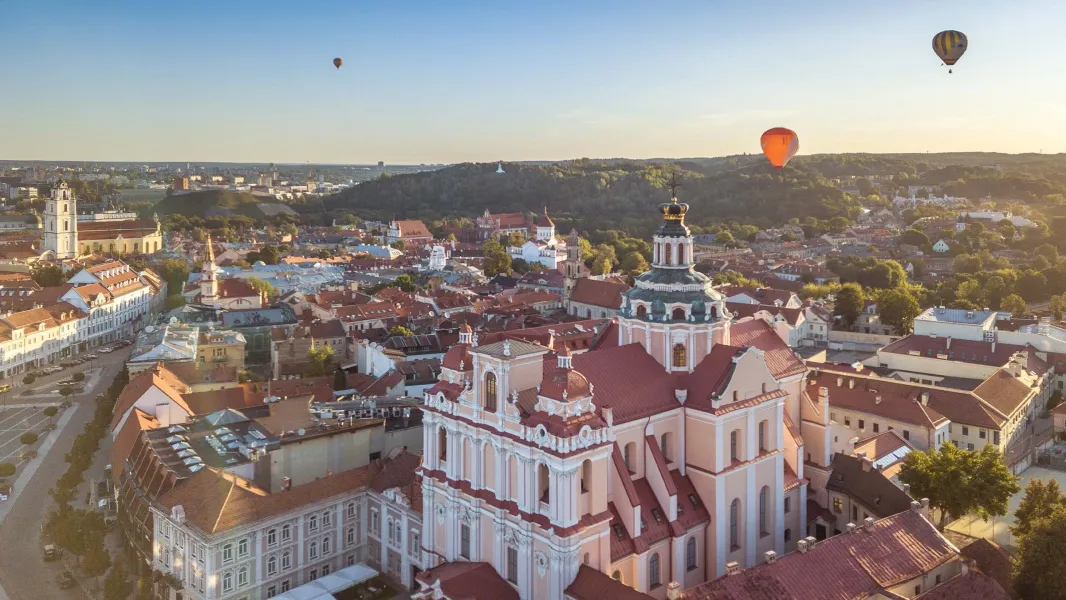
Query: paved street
23, 573
15, 421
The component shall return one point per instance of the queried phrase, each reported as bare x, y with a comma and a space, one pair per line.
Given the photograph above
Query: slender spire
210, 251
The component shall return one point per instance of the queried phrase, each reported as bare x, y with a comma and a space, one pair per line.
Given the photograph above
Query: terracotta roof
413, 229
591, 584
598, 293
884, 445
319, 387
690, 508
562, 384
509, 220
544, 220
629, 381
843, 567
969, 351
469, 581
902, 401
781, 360
972, 585
869, 486
236, 287
1004, 392
763, 295
215, 501
993, 561
109, 230
457, 358
205, 403
711, 376
158, 377
191, 374
127, 436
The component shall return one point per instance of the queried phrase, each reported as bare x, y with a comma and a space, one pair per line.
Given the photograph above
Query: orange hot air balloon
779, 145
337, 62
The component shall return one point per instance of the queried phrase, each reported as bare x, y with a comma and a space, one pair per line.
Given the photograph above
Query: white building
438, 258
544, 248
61, 223
115, 299
941, 246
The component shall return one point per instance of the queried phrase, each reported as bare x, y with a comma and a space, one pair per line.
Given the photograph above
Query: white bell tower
61, 222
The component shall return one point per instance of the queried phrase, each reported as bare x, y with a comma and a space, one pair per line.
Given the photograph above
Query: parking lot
16, 420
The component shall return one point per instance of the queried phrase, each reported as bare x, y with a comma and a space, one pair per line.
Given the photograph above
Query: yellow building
119, 236
220, 348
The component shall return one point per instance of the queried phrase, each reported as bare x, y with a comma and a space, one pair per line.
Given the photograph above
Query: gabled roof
629, 381
469, 581
867, 485
413, 229
591, 584
605, 294
972, 585
158, 377
780, 359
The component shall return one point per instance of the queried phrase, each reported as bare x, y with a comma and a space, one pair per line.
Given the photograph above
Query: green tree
914, 238
321, 360
1032, 286
1057, 305
995, 290
516, 240
117, 585
1006, 229
96, 560
263, 287
49, 276
66, 391
1040, 501
28, 438
898, 308
400, 330
174, 301
50, 411
7, 469
724, 237
1040, 571
958, 482
399, 245
967, 263
269, 255
519, 265
607, 253
1049, 252
405, 283
176, 272
849, 303
970, 291
1014, 305
634, 263
497, 260
601, 266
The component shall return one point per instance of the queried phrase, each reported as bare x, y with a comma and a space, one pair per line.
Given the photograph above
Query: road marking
10, 417
12, 430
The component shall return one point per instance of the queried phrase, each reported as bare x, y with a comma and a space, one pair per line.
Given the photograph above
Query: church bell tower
572, 269
61, 222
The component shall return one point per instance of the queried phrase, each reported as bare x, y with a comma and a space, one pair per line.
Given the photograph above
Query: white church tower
61, 222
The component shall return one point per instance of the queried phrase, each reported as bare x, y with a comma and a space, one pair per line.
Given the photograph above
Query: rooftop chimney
916, 506
673, 591
906, 488
851, 384
286, 484
867, 464
840, 381
925, 398
802, 546
771, 557
949, 343
732, 568
868, 523
851, 528
811, 541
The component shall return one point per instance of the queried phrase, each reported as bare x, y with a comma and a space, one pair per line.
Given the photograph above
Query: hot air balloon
949, 46
779, 145
337, 62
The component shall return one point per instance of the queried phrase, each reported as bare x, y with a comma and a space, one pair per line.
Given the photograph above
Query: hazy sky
450, 81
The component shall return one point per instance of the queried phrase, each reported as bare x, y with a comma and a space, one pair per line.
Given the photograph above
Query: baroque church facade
662, 458
70, 235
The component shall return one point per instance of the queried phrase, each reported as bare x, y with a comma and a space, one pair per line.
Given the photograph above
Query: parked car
65, 580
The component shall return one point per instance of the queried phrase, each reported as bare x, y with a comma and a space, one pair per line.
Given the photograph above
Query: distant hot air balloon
337, 62
779, 145
949, 46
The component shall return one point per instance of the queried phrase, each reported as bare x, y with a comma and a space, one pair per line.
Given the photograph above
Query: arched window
690, 553
586, 475
642, 311
665, 443
543, 483
734, 523
627, 456
654, 574
442, 443
242, 577
668, 250
227, 582
327, 545
763, 499
585, 560
286, 561
272, 565
678, 314
680, 355
733, 443
763, 425
312, 550
490, 392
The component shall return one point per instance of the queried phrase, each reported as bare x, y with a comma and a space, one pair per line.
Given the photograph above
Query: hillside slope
210, 203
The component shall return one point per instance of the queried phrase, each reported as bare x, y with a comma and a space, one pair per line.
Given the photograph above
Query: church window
763, 500
442, 442
627, 456
678, 314
690, 553
512, 564
490, 392
734, 524
654, 572
733, 444
680, 355
66, 225
669, 254
642, 310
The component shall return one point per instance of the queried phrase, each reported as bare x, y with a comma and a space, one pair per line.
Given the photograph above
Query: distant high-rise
381, 164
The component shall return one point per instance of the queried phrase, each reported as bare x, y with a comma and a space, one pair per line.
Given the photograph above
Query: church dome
561, 382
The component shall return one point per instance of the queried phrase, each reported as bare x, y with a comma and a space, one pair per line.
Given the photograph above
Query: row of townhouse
101, 304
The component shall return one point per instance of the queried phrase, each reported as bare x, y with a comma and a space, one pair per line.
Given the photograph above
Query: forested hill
623, 194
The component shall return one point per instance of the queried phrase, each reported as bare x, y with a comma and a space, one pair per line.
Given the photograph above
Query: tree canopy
958, 482
1040, 571
849, 303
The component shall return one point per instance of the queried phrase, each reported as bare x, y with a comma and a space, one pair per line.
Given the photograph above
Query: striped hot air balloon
949, 46
779, 145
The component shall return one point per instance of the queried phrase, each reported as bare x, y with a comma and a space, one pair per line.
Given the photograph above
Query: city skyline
482, 82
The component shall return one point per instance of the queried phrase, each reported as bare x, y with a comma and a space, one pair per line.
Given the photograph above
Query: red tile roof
591, 584
605, 294
781, 360
629, 381
469, 581
1004, 392
993, 561
969, 351
158, 377
742, 310
973, 585
843, 567
457, 358
562, 384
413, 229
